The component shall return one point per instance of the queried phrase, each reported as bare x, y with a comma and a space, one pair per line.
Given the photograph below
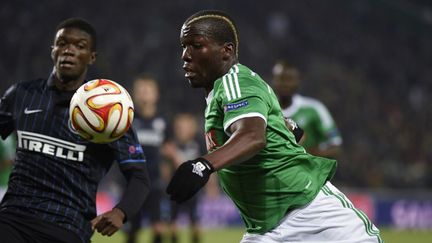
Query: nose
186, 56
69, 50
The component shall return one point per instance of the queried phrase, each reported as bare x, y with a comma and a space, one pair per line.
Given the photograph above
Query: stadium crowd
368, 61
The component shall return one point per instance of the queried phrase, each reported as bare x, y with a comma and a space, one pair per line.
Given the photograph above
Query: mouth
66, 64
189, 73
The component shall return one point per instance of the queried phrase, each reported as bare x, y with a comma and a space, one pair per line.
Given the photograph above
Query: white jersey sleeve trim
252, 114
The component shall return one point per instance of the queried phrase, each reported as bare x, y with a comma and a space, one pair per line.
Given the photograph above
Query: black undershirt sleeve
137, 188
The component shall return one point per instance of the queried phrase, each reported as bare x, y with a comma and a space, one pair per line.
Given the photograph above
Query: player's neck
68, 85
229, 65
148, 110
224, 69
285, 101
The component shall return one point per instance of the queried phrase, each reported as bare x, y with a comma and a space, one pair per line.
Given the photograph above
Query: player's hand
109, 222
188, 179
294, 128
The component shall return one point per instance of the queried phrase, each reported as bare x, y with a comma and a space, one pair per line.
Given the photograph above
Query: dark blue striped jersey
56, 172
151, 134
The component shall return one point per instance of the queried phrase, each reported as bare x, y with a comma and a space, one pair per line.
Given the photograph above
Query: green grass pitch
233, 235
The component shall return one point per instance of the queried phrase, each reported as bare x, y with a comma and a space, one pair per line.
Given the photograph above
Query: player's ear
52, 53
93, 57
228, 50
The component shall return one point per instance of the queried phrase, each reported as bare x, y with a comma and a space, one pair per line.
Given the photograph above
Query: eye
197, 45
60, 43
82, 45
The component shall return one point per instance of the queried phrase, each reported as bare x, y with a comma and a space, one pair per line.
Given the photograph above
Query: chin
194, 84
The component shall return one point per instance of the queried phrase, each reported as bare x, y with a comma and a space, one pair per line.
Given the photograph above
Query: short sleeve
241, 98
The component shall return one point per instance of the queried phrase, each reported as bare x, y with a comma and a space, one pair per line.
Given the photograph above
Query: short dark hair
222, 26
80, 24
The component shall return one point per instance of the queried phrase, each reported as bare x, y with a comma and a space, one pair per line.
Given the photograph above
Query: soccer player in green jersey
321, 136
283, 193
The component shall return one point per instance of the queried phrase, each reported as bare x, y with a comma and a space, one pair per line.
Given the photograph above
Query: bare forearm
247, 139
238, 148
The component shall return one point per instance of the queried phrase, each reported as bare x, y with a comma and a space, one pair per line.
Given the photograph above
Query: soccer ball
101, 111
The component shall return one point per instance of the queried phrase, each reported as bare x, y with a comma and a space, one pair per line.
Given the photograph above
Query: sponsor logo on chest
52, 146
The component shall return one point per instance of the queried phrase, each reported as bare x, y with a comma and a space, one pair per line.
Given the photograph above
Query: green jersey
313, 117
282, 176
7, 153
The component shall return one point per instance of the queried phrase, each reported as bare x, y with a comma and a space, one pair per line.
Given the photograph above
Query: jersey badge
135, 149
235, 106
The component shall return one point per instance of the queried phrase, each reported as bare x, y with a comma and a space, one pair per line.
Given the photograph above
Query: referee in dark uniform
52, 189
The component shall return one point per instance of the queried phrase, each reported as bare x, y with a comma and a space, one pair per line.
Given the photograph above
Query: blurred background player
183, 147
151, 130
321, 136
7, 154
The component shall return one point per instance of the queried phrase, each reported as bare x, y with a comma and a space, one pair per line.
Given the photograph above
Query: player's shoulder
240, 72
245, 73
313, 105
308, 102
23, 86
30, 84
241, 79
158, 122
240, 82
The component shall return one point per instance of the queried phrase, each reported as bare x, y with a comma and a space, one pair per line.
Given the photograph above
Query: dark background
369, 61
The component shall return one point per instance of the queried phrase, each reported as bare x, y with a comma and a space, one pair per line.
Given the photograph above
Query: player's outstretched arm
247, 139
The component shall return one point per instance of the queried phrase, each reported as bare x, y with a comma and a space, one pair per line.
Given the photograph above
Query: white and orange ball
101, 111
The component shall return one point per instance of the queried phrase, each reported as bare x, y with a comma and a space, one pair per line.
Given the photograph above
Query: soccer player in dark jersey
182, 147
151, 128
52, 188
283, 194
